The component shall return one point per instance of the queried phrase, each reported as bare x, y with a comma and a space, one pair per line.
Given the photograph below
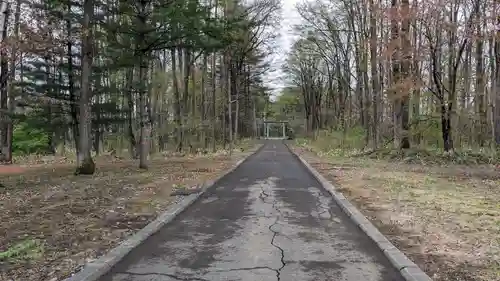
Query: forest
109, 107
86, 77
395, 102
397, 74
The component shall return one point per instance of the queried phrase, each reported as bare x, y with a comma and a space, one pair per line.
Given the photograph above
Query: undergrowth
352, 144
70, 154
427, 156
25, 250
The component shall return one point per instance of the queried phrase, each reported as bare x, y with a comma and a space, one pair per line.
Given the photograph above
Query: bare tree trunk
4, 73
397, 121
405, 71
145, 124
214, 101
254, 115
491, 95
226, 82
130, 112
203, 115
417, 77
194, 110
364, 69
177, 103
374, 74
185, 95
237, 104
464, 112
71, 82
10, 85
213, 89
480, 86
86, 165
497, 77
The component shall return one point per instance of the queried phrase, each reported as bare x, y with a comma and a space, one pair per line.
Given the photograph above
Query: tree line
409, 73
141, 75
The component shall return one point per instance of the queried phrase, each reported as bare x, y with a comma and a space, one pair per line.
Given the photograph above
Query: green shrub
28, 139
352, 139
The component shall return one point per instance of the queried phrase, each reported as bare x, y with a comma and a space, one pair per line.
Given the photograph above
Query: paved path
267, 220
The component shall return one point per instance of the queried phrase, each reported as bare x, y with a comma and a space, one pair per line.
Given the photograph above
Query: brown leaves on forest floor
54, 222
446, 218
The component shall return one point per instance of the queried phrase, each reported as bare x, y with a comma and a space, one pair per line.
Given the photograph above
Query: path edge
96, 269
408, 269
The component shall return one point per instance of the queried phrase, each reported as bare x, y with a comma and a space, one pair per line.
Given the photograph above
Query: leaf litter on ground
54, 222
444, 217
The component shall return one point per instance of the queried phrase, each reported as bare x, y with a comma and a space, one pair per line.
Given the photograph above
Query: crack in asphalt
244, 269
321, 205
263, 195
164, 274
197, 278
275, 233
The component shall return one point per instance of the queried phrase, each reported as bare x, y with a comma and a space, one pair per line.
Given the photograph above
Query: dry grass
446, 218
54, 222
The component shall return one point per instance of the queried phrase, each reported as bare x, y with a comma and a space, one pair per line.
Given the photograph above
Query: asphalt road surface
268, 220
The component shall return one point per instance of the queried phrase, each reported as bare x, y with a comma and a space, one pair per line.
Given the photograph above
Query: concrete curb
409, 270
94, 270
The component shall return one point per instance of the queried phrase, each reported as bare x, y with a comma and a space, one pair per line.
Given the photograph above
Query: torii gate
267, 124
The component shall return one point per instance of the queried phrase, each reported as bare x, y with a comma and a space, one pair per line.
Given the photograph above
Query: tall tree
85, 162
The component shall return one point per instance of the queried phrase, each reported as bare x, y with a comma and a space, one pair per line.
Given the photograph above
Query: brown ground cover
54, 222
446, 218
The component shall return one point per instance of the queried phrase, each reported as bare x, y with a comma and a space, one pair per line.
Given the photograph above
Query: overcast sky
290, 17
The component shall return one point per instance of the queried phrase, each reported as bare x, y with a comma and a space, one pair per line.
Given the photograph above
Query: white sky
290, 17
